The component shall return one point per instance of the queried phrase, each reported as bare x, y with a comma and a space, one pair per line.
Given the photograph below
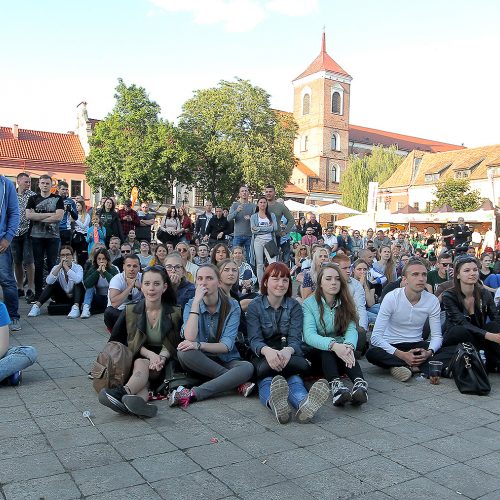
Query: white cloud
237, 15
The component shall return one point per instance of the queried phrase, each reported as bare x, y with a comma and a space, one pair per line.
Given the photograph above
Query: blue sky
424, 68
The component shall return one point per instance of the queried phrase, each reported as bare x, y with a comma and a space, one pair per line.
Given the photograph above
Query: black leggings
332, 367
57, 294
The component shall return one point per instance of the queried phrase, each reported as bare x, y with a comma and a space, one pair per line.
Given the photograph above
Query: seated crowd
255, 311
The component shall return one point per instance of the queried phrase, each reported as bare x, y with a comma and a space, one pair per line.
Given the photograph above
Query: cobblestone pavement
410, 441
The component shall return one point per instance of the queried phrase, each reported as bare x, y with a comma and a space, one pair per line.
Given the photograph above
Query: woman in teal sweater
330, 328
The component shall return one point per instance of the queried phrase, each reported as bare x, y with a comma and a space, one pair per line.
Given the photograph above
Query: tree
457, 194
235, 138
132, 146
376, 167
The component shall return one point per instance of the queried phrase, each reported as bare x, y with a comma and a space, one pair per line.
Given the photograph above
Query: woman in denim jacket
211, 321
330, 327
274, 325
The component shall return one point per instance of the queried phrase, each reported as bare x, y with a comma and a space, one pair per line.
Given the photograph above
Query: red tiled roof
366, 135
41, 146
323, 63
293, 189
305, 169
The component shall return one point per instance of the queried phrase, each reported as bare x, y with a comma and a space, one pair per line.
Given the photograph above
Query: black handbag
175, 376
272, 248
468, 371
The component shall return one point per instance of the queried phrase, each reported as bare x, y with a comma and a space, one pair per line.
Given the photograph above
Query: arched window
335, 146
336, 103
306, 104
334, 172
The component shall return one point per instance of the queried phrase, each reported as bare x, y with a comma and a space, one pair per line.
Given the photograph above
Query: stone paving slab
410, 441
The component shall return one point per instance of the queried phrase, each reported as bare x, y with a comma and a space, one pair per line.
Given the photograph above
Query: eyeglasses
126, 251
447, 264
155, 268
170, 267
182, 250
66, 255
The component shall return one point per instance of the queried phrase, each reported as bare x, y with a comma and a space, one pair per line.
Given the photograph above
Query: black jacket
201, 225
216, 226
457, 315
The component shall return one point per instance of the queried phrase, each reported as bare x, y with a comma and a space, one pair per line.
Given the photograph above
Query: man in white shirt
396, 341
330, 239
124, 288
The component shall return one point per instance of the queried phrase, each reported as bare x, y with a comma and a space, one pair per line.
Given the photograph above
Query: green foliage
376, 167
235, 138
458, 194
132, 146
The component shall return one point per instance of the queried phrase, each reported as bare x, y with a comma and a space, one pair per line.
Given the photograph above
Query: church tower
321, 110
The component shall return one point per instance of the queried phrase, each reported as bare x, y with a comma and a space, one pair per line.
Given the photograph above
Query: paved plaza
410, 441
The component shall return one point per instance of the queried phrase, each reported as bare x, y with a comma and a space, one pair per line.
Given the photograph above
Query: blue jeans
89, 296
297, 390
15, 359
245, 242
8, 284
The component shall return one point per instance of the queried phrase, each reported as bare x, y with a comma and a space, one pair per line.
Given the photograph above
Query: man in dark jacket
217, 228
202, 221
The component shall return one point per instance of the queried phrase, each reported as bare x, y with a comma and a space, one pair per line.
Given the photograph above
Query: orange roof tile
305, 169
41, 146
293, 189
367, 135
323, 63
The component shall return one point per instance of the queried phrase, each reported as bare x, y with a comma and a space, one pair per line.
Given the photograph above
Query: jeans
96, 302
8, 284
297, 390
15, 359
260, 254
44, 247
245, 242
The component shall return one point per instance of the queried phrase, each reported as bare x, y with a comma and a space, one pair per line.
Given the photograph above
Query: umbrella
336, 208
295, 206
361, 221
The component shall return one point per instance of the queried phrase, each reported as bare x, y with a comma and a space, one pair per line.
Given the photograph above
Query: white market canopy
361, 221
336, 208
295, 206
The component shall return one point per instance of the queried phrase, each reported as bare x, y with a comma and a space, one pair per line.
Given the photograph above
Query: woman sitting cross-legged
330, 327
64, 285
211, 322
274, 325
96, 278
151, 329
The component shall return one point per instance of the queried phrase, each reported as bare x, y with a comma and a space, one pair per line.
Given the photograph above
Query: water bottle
482, 356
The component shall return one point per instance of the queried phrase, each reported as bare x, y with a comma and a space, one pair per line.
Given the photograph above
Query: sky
427, 68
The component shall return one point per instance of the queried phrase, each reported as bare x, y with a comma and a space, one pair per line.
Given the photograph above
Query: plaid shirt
128, 225
24, 223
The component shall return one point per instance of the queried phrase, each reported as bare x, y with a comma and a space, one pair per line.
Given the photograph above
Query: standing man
22, 249
447, 234
240, 213
45, 211
217, 228
461, 232
202, 222
147, 219
280, 210
128, 218
9, 222
70, 213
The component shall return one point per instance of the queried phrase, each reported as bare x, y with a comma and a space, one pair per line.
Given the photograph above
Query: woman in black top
471, 314
110, 221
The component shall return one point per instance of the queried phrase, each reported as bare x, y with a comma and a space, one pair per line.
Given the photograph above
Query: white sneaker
74, 313
85, 311
35, 311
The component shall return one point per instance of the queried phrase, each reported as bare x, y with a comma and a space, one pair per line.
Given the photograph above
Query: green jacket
91, 276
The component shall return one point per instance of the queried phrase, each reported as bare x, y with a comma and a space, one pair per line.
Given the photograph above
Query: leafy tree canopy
376, 167
458, 194
132, 146
233, 138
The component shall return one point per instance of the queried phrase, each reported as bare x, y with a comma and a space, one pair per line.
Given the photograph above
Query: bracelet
194, 312
198, 346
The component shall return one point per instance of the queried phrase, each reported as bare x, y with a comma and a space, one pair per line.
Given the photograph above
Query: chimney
15, 131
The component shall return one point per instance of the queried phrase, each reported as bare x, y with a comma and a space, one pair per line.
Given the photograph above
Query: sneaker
318, 394
401, 373
15, 379
180, 397
137, 406
359, 392
35, 311
112, 398
20, 293
85, 311
75, 312
278, 402
30, 296
341, 394
15, 326
246, 389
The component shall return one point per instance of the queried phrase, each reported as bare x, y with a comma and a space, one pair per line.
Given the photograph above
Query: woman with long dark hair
171, 227
151, 330
385, 263
110, 221
330, 327
264, 227
211, 321
186, 225
160, 254
274, 325
471, 314
79, 237
219, 253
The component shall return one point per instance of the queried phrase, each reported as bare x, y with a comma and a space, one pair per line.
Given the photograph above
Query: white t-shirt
119, 283
265, 223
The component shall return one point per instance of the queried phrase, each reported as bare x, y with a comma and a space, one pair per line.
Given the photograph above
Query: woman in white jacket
64, 284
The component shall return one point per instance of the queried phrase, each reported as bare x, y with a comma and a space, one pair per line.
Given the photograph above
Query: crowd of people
245, 299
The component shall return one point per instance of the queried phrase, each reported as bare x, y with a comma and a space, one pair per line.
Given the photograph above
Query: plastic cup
435, 369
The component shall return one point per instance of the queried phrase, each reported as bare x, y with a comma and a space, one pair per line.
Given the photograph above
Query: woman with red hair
274, 324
